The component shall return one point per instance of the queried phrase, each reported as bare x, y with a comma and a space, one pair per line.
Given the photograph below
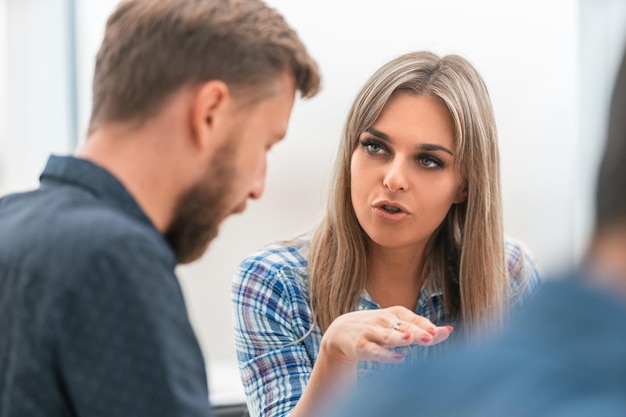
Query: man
188, 96
564, 354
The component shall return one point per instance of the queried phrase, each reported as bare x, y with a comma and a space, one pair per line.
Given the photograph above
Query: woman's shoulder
523, 274
285, 259
278, 255
517, 255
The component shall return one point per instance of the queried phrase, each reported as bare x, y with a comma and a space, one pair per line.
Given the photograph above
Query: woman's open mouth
389, 211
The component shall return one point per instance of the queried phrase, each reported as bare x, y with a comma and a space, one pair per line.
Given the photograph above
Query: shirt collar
366, 302
96, 180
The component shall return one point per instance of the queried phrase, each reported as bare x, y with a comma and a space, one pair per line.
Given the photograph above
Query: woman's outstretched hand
368, 335
363, 335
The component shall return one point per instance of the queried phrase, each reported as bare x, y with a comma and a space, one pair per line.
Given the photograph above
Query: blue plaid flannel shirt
271, 313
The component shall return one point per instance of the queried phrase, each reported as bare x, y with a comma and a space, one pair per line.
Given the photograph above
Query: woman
411, 247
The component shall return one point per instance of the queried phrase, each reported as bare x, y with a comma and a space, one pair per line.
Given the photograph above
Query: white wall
4, 86
530, 54
91, 19
39, 94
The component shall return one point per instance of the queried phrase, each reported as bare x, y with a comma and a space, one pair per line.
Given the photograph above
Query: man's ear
461, 195
209, 104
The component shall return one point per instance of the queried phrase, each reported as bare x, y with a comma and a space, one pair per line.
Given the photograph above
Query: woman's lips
389, 216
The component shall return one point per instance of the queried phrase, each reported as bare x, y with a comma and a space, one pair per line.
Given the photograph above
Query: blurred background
549, 67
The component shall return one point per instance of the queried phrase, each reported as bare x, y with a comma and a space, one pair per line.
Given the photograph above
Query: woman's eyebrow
378, 134
421, 147
433, 147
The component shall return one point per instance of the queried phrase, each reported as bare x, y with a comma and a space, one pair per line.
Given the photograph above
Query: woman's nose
395, 178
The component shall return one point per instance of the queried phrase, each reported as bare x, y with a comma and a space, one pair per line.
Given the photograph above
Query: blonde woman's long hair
465, 256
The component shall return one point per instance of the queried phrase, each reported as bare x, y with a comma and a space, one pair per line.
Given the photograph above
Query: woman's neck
394, 276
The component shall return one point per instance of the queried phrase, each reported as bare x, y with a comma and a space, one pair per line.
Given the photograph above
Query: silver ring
395, 324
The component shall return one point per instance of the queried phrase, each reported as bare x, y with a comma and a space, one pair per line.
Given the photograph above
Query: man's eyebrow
421, 147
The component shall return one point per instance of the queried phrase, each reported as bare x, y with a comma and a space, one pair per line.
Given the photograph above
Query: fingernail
398, 356
450, 328
406, 335
431, 330
426, 338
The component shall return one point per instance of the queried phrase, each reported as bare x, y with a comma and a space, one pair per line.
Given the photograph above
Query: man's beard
202, 208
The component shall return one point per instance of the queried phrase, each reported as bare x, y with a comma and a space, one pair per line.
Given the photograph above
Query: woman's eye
372, 147
429, 162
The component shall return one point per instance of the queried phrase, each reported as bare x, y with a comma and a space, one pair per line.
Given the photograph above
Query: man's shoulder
66, 226
573, 294
561, 355
569, 332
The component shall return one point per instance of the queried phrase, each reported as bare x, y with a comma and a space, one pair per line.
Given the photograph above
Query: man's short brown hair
152, 48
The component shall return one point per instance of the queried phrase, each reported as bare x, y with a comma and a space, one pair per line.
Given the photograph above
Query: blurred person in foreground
563, 355
188, 97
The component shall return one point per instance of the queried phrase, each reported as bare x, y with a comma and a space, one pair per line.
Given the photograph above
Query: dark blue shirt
92, 318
